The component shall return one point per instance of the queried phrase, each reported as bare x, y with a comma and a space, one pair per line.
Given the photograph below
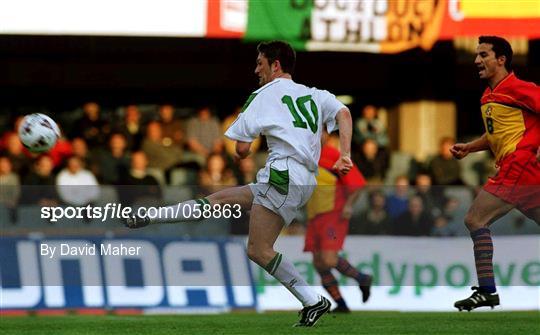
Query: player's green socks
286, 273
190, 210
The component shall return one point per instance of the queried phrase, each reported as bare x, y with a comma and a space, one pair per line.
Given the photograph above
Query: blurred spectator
76, 185
443, 168
172, 129
369, 126
114, 163
247, 171
91, 127
161, 154
216, 175
14, 151
230, 145
39, 184
132, 127
146, 186
10, 184
372, 161
432, 196
80, 149
374, 220
446, 224
415, 221
441, 227
398, 201
7, 134
204, 134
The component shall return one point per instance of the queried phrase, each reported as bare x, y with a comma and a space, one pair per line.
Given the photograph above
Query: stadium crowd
156, 149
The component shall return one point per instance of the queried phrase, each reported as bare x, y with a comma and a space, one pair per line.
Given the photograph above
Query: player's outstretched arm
344, 120
460, 150
538, 155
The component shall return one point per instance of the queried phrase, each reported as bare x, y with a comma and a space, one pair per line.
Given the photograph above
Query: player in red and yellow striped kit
511, 114
329, 212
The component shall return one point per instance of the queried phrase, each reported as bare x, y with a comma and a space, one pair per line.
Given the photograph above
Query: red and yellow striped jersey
332, 189
511, 114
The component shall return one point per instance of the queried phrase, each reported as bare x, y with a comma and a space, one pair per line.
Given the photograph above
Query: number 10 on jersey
311, 116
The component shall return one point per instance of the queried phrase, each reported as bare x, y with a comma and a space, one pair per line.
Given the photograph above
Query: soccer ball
38, 132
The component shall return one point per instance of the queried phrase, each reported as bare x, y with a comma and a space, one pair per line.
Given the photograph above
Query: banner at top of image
385, 26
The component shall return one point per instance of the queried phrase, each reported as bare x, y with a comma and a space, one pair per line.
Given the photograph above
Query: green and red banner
378, 26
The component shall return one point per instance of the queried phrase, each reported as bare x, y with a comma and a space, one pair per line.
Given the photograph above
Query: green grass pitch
279, 323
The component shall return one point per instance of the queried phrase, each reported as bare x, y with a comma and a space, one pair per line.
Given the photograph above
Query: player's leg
324, 261
485, 209
313, 239
187, 210
264, 228
332, 235
364, 280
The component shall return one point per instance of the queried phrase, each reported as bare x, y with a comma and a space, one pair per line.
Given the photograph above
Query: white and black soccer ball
38, 132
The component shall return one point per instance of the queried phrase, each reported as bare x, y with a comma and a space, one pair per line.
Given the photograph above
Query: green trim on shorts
280, 180
274, 263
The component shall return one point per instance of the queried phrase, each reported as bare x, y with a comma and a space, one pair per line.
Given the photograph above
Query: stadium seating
30, 217
175, 194
5, 217
469, 173
158, 174
183, 176
108, 195
400, 164
463, 194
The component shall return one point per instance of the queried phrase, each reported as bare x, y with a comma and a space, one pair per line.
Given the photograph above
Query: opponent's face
263, 70
486, 62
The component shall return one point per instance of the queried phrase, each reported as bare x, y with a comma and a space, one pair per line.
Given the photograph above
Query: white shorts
284, 187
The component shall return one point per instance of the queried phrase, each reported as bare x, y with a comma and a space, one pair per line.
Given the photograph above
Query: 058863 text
196, 211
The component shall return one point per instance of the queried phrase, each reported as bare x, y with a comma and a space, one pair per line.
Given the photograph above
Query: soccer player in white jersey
292, 117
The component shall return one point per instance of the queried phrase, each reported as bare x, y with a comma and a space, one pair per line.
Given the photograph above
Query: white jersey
291, 116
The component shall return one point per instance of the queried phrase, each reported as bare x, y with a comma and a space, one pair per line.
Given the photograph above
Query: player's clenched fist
343, 165
459, 150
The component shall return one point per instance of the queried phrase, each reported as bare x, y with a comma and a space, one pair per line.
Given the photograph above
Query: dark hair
279, 50
501, 47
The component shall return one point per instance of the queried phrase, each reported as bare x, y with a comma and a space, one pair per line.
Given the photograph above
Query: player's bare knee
329, 262
320, 266
259, 255
473, 222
